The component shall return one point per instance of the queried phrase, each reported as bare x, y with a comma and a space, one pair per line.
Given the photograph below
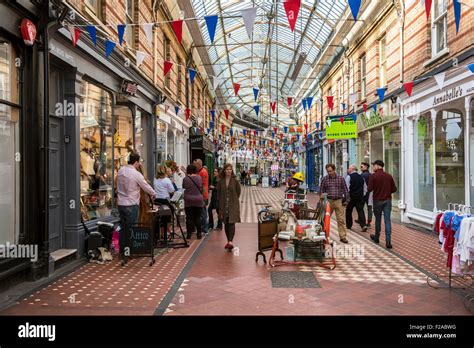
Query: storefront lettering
375, 120
449, 95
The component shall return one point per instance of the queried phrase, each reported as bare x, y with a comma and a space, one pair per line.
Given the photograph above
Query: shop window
170, 145
423, 164
123, 136
376, 146
364, 147
449, 158
363, 77
129, 18
160, 142
9, 145
439, 27
471, 153
96, 152
383, 61
392, 146
138, 134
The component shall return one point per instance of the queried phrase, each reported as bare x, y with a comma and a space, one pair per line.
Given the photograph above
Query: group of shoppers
357, 190
223, 189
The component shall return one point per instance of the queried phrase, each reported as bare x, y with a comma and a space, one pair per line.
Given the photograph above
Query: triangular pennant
408, 87
428, 8
375, 108
330, 100
236, 88
211, 23
343, 106
353, 98
121, 32
148, 28
273, 106
92, 30
292, 8
364, 107
355, 7
255, 93
140, 58
75, 34
289, 101
304, 104
457, 13
223, 128
440, 79
329, 121
471, 67
176, 110
257, 109
231, 132
317, 125
226, 112
188, 114
213, 114
109, 47
309, 102
249, 16
354, 118
178, 29
285, 129
192, 75
381, 93
211, 124
167, 67
341, 119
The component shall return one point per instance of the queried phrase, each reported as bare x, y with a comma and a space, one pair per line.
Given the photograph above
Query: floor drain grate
294, 279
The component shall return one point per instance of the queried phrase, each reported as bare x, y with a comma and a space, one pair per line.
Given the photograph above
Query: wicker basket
306, 249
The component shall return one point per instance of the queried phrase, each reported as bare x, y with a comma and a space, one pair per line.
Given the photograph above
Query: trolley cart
267, 228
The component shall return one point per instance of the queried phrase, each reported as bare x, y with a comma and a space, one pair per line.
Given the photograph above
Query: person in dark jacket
357, 189
214, 205
383, 185
229, 203
193, 201
368, 196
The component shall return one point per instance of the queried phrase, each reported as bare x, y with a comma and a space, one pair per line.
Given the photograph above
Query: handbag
200, 189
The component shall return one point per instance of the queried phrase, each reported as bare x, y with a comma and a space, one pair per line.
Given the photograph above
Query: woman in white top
164, 189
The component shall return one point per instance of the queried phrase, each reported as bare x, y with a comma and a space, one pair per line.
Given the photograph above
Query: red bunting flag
330, 100
408, 87
273, 106
255, 133
428, 8
188, 114
226, 112
365, 107
306, 127
223, 128
281, 136
178, 29
290, 101
275, 129
236, 88
292, 8
167, 67
75, 36
341, 119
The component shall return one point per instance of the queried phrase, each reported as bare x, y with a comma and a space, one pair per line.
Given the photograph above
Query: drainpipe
401, 17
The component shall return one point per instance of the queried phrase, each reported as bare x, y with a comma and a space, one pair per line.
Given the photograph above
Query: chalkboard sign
140, 240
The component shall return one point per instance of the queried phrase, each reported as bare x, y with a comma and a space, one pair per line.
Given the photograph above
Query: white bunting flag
249, 16
148, 27
353, 98
140, 58
440, 79
215, 82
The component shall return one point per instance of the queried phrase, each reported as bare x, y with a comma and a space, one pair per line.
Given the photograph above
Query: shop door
56, 202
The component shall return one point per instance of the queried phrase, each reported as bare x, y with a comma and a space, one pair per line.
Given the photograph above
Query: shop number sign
340, 127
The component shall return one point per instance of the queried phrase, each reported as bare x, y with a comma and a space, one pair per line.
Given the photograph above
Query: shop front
439, 150
314, 164
379, 138
200, 147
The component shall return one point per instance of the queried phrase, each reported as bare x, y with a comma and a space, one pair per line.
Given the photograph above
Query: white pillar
467, 151
433, 122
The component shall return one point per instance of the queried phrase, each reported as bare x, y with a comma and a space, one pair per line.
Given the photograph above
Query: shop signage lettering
338, 130
140, 241
449, 95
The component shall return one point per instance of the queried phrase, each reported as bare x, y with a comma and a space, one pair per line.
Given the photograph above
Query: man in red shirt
202, 172
383, 185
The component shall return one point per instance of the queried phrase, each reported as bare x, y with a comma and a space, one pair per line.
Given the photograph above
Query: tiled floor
368, 279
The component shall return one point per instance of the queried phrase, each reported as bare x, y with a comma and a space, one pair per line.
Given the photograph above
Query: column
433, 120
467, 150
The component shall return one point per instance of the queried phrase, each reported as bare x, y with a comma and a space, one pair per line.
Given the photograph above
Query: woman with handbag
214, 205
229, 203
193, 201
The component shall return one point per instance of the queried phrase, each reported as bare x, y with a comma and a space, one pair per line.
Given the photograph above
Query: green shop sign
341, 127
375, 119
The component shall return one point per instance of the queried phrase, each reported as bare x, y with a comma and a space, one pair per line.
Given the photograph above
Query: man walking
357, 190
368, 196
336, 189
383, 185
129, 183
202, 172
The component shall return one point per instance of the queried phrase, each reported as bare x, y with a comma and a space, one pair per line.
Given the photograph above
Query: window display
160, 141
376, 148
96, 152
423, 164
392, 146
449, 158
471, 153
123, 136
9, 145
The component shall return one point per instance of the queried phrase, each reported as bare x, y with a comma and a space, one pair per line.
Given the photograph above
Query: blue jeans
128, 217
384, 207
204, 219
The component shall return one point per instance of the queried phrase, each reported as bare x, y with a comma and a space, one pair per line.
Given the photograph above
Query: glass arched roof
267, 61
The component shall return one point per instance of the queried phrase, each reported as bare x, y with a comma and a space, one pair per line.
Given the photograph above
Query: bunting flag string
211, 23
355, 7
428, 8
408, 87
148, 28
330, 100
289, 101
255, 93
236, 88
309, 102
75, 34
92, 30
381, 93
292, 9
273, 106
249, 16
167, 67
192, 75
121, 32
257, 109
226, 112
109, 47
177, 26
457, 13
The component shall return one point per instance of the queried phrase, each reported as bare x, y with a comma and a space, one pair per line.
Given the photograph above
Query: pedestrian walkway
205, 279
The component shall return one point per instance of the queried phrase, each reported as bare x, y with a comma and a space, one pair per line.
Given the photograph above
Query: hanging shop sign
129, 87
199, 141
341, 127
28, 32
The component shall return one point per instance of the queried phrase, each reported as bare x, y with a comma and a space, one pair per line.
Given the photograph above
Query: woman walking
164, 189
229, 204
214, 205
193, 201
